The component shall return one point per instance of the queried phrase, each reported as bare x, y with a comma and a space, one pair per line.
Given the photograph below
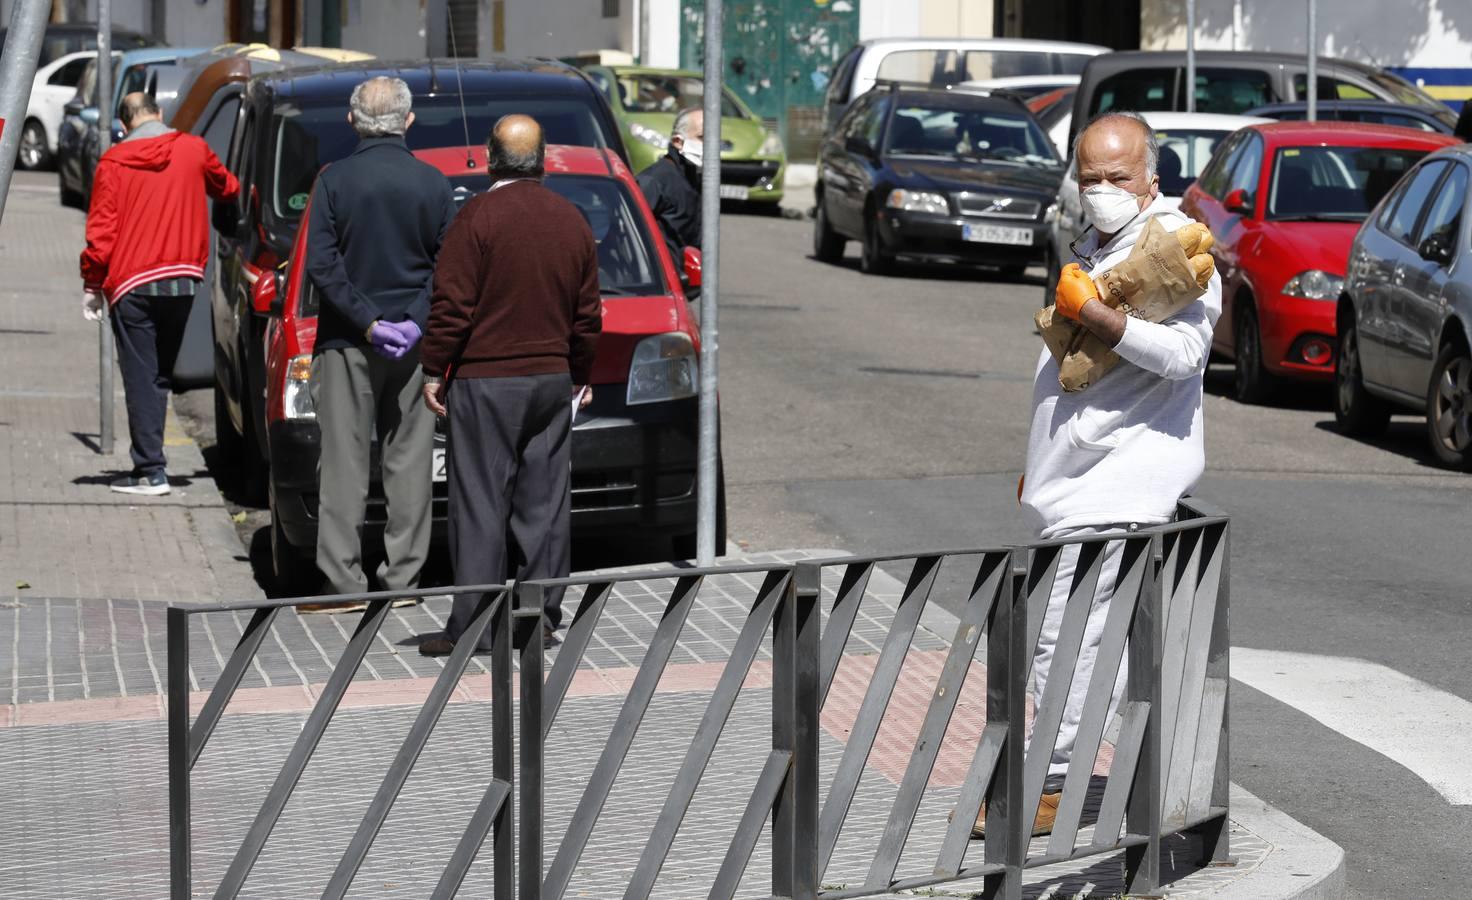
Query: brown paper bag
1153, 283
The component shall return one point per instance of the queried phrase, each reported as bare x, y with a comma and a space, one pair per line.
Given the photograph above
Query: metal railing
1166, 626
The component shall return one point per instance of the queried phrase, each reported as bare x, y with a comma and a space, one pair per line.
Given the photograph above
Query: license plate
996, 234
437, 468
734, 192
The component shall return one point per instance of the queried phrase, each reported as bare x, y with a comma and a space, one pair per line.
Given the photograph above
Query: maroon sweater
515, 289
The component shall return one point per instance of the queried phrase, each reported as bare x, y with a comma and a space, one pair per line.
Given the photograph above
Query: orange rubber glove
1075, 288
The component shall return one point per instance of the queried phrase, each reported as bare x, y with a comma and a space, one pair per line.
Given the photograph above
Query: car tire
1358, 412
874, 260
69, 198
295, 572
828, 245
1449, 407
33, 153
228, 441
1252, 383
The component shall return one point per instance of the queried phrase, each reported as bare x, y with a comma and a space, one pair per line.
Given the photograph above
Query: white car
1187, 141
55, 84
1027, 86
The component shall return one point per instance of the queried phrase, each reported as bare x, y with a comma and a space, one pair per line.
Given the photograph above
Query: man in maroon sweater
514, 321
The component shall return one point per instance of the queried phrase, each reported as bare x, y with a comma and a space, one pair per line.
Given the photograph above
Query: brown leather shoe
308, 608
1041, 824
440, 646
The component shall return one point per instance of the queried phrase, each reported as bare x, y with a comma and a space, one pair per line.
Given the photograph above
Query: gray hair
380, 106
1152, 145
683, 121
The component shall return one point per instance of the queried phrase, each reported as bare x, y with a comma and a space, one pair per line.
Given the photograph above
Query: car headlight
296, 401
1314, 284
919, 201
664, 368
772, 146
649, 135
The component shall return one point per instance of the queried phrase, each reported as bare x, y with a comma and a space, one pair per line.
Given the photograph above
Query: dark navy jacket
672, 187
377, 221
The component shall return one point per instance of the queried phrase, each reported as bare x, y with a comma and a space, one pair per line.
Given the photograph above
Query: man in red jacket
147, 243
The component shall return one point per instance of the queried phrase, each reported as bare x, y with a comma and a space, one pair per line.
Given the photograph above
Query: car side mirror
690, 265
264, 294
73, 107
1436, 249
90, 115
1238, 201
858, 145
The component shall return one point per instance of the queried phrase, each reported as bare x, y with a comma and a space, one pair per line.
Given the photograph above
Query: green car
645, 102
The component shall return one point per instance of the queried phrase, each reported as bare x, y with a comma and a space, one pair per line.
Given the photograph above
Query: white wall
1436, 34
562, 27
889, 18
392, 29
664, 34
191, 24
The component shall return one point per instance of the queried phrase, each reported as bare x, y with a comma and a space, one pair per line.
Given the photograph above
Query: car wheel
1253, 384
874, 260
228, 442
827, 244
33, 151
1357, 411
1449, 407
295, 571
69, 198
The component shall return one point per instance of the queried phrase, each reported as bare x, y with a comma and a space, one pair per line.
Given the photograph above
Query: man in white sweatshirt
1118, 455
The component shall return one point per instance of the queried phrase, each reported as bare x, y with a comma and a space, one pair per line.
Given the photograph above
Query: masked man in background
672, 184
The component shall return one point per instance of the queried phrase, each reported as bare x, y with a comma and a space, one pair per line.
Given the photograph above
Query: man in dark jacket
376, 222
147, 243
516, 315
672, 184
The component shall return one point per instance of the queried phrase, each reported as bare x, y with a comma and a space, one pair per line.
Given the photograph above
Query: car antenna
460, 84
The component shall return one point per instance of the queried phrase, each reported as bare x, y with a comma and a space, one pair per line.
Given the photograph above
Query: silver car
1406, 313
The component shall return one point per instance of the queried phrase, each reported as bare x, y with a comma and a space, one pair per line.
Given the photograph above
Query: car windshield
1338, 184
1183, 154
306, 137
657, 93
961, 132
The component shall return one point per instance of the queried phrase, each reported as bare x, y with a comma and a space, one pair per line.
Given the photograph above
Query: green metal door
779, 56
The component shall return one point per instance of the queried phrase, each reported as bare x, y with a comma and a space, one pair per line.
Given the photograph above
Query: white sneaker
155, 485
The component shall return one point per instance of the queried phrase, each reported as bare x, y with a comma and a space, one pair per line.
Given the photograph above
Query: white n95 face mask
1108, 207
693, 151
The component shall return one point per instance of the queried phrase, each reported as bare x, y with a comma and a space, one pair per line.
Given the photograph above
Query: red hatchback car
633, 448
1284, 201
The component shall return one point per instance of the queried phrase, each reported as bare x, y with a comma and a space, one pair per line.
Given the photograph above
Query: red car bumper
1298, 337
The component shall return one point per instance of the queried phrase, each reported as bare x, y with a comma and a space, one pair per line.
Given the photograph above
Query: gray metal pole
1191, 58
105, 110
710, 248
1313, 61
17, 72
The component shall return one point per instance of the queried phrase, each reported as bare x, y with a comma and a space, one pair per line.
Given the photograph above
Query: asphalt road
878, 414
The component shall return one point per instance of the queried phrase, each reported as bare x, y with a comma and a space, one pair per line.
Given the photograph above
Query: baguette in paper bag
1164, 273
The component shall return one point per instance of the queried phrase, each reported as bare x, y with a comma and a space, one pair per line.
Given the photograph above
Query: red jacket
148, 218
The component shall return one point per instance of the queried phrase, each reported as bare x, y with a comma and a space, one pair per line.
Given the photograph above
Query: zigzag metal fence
1166, 626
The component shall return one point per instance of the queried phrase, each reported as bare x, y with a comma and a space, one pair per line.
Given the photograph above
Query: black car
1402, 115
288, 125
936, 176
60, 40
1405, 318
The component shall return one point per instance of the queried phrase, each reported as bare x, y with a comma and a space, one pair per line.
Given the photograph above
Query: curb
1303, 864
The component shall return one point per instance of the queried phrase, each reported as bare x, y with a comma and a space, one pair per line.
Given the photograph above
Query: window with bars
610, 9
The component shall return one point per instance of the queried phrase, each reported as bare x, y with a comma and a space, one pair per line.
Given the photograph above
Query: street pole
1313, 61
1191, 58
105, 112
17, 72
710, 248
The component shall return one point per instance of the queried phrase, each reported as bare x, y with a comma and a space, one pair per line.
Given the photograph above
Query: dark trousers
149, 331
510, 486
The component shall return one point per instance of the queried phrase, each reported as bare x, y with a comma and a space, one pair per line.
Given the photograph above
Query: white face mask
1108, 207
692, 150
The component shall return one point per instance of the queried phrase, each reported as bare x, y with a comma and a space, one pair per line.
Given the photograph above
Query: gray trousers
510, 486
356, 392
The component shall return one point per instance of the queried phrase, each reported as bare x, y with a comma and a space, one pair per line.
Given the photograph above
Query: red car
1284, 201
634, 448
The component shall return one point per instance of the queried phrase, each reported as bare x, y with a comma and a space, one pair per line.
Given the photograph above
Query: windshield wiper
1322, 217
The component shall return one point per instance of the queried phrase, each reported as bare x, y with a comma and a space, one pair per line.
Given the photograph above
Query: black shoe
443, 646
549, 637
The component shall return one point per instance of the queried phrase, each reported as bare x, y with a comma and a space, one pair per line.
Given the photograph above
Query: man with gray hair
375, 223
1119, 455
672, 184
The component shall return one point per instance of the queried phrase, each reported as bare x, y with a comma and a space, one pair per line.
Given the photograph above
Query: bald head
380, 107
517, 147
138, 108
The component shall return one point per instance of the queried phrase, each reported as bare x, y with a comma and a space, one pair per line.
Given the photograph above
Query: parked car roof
1341, 134
426, 76
204, 74
1444, 117
922, 43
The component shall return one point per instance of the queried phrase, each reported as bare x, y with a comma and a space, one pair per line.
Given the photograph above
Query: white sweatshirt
1128, 447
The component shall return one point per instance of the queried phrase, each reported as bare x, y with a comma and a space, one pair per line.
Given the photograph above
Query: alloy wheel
32, 147
1452, 405
1347, 373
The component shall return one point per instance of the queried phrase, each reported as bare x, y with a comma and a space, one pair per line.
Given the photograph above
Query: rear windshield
1227, 91
942, 68
627, 264
304, 137
959, 132
1334, 183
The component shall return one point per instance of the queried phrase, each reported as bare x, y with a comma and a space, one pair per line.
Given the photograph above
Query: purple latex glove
410, 330
387, 340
